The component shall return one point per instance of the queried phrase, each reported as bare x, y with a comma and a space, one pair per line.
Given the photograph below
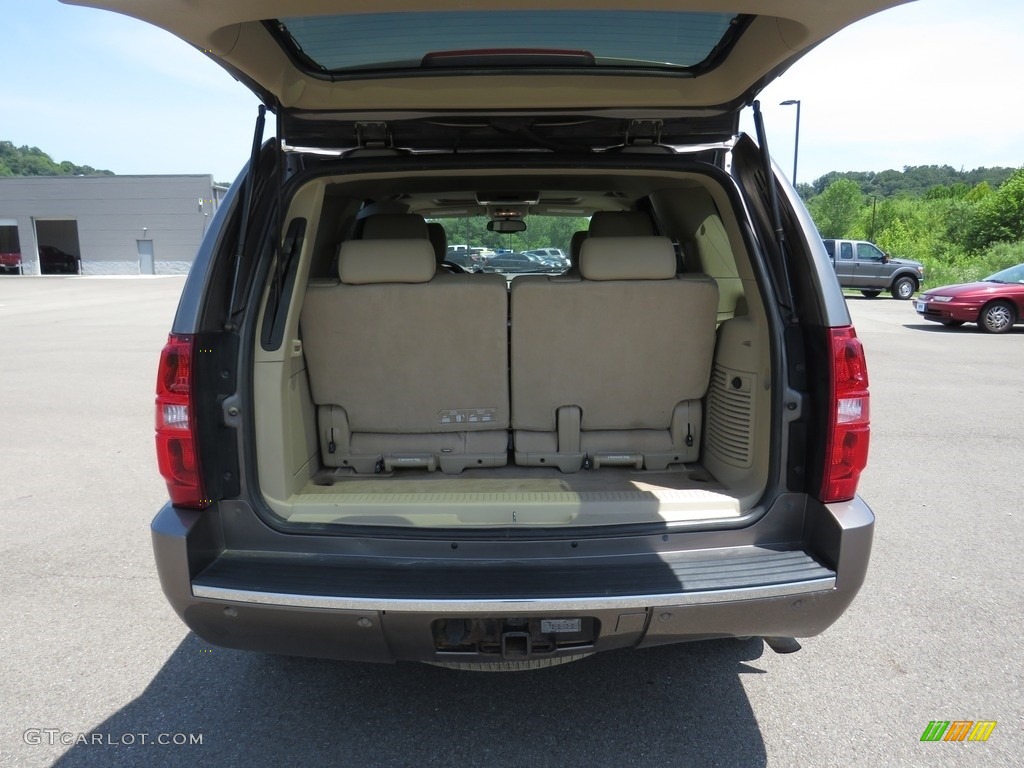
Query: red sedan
995, 303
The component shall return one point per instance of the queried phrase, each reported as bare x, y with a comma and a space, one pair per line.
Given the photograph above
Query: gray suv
372, 455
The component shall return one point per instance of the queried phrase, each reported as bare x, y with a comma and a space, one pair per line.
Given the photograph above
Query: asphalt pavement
97, 670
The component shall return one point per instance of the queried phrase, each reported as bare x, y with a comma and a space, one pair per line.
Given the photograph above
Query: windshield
670, 40
544, 248
1011, 275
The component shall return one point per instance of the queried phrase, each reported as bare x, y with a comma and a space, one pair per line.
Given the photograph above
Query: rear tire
997, 317
904, 288
873, 294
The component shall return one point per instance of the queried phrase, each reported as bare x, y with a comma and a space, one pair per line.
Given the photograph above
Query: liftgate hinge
373, 135
644, 132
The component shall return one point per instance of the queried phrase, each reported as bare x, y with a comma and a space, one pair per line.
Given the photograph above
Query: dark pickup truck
865, 266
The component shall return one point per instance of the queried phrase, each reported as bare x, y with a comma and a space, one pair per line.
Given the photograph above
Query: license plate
920, 306
557, 626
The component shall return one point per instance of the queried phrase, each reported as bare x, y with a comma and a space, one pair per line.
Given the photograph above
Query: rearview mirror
506, 225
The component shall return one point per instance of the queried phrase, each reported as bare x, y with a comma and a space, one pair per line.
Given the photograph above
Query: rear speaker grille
730, 423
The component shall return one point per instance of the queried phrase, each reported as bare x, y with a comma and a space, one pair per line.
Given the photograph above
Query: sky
935, 82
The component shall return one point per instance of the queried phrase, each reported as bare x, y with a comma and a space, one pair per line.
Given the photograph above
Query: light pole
796, 144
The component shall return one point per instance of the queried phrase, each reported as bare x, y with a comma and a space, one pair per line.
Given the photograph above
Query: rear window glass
614, 38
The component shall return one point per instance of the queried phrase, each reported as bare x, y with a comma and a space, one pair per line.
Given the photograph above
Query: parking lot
97, 670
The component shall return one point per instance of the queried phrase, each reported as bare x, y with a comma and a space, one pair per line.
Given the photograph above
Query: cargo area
633, 386
511, 496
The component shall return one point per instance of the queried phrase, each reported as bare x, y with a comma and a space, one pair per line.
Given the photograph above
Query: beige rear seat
407, 369
612, 367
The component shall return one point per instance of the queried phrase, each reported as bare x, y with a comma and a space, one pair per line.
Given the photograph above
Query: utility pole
796, 143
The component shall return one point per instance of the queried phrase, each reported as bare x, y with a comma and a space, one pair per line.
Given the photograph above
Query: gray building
114, 224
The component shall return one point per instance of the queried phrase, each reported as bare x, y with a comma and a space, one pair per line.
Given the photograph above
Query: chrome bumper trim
547, 605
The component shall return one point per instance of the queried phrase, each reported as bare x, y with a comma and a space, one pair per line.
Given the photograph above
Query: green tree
32, 161
915, 181
551, 231
962, 225
836, 209
979, 191
896, 238
999, 217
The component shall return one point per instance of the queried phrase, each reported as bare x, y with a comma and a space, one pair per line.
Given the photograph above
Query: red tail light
175, 426
846, 448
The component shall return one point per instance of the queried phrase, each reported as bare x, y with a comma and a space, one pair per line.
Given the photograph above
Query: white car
551, 257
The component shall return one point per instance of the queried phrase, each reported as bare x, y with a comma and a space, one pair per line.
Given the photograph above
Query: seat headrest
620, 224
394, 226
438, 239
386, 261
627, 258
575, 244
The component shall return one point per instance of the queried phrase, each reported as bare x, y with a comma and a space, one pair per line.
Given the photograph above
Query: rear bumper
944, 312
393, 600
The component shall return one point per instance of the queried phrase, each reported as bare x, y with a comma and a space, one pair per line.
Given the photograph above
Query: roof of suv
410, 55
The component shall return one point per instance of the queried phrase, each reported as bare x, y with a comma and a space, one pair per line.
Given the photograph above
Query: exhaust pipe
782, 644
